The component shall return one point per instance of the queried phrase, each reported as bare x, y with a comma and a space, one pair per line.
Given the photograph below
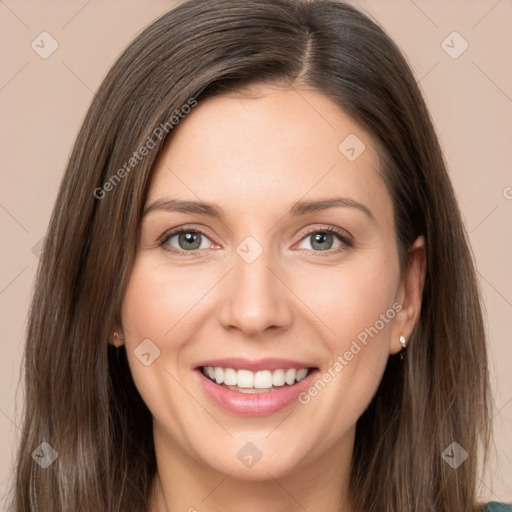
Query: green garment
494, 506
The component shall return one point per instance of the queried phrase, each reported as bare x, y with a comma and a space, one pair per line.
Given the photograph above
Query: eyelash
343, 237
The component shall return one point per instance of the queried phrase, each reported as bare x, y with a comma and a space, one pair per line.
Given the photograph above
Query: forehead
268, 147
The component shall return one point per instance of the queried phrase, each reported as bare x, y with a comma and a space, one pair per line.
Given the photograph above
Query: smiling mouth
262, 381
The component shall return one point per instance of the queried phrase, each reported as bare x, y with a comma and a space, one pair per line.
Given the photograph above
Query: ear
116, 337
409, 295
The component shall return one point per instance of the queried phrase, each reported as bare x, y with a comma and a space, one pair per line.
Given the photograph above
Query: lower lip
254, 404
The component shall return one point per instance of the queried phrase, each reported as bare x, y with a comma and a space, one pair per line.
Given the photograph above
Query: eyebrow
215, 211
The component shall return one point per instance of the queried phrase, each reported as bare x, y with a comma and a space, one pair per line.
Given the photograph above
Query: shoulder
494, 506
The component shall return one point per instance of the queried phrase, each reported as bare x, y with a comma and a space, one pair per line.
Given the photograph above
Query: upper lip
267, 363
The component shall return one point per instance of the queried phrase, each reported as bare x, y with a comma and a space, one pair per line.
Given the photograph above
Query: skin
255, 155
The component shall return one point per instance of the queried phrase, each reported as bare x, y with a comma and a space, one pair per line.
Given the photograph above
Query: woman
248, 370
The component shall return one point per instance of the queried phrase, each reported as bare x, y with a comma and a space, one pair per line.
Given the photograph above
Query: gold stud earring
403, 342
118, 340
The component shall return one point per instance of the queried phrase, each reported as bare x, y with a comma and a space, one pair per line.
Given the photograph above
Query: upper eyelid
332, 229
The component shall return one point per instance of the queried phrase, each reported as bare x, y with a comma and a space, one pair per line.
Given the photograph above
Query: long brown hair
79, 394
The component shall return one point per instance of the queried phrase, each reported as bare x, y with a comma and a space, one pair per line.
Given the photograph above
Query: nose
255, 297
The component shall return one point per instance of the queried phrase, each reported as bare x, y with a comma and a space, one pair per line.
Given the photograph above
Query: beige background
43, 101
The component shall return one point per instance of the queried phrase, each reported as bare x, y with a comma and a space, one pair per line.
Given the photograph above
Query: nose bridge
254, 298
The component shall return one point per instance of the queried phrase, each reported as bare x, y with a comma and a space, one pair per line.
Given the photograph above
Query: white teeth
230, 377
219, 375
262, 379
244, 379
289, 376
278, 378
301, 374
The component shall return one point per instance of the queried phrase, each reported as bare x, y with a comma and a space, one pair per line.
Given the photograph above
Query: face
257, 330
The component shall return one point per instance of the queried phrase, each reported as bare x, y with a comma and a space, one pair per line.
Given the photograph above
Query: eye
187, 240
192, 240
323, 240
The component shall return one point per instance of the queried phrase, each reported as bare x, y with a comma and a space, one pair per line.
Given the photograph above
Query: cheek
353, 299
157, 299
356, 309
163, 305
152, 308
